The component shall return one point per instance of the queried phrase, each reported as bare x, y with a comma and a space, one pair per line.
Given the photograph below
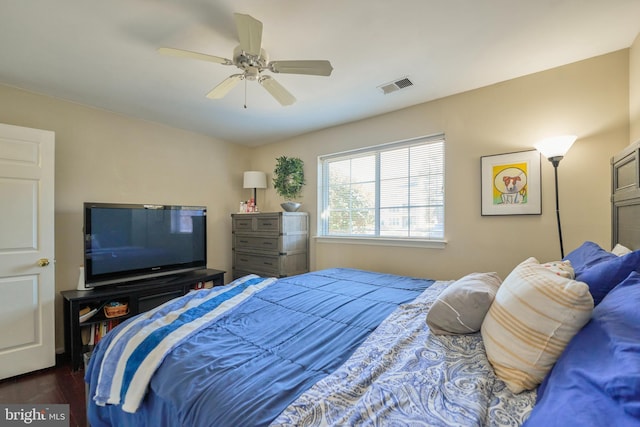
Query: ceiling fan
252, 61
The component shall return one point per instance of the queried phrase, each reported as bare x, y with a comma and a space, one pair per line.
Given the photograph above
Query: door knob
43, 262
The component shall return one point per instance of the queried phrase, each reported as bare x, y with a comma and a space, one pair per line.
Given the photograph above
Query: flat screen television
133, 242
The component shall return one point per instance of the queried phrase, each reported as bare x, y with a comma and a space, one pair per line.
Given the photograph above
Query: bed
554, 343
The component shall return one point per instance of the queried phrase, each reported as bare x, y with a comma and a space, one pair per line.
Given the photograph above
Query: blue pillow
605, 275
587, 255
596, 380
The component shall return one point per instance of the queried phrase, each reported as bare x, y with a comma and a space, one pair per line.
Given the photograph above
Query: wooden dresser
271, 244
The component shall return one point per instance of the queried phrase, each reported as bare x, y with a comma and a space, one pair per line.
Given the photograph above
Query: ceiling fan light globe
252, 73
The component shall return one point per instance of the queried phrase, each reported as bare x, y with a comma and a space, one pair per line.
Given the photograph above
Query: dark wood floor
54, 385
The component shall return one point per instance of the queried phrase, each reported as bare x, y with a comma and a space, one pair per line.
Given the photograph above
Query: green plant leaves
288, 177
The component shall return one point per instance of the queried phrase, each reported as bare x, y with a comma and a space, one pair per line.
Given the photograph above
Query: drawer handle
268, 243
267, 223
244, 260
267, 263
244, 241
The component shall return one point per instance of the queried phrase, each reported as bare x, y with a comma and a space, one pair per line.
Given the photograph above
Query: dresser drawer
253, 242
269, 265
257, 223
268, 223
242, 223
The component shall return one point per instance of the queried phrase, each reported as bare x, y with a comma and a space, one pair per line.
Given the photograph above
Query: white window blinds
392, 191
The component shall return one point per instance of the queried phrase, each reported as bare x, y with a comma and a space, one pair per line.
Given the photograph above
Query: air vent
394, 86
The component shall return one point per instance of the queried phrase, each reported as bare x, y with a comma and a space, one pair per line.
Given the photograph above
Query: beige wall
634, 91
589, 98
106, 157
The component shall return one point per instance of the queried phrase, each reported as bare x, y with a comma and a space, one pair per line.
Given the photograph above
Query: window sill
383, 241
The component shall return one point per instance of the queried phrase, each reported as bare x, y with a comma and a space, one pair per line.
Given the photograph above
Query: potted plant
288, 181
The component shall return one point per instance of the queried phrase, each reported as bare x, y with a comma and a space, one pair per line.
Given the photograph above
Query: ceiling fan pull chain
245, 94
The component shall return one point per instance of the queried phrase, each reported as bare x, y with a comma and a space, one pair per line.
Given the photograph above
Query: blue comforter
250, 364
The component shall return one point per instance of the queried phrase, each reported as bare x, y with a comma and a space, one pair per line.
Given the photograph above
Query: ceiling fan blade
194, 55
277, 90
223, 88
315, 68
249, 33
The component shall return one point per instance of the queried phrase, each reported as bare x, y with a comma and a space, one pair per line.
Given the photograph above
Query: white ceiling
103, 54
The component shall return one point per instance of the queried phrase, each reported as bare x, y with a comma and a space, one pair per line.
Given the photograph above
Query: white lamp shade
255, 179
555, 146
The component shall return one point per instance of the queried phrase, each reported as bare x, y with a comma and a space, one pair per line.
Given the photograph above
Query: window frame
377, 239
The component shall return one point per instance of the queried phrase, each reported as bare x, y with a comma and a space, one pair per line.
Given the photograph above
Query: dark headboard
625, 197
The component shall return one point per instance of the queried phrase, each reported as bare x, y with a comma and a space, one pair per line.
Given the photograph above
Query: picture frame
510, 184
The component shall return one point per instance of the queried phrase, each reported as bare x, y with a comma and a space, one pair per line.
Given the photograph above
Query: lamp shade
255, 179
555, 146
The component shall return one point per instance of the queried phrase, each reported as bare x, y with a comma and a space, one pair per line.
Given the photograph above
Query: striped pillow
537, 310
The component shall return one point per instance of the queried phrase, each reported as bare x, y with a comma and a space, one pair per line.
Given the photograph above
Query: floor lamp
554, 149
255, 179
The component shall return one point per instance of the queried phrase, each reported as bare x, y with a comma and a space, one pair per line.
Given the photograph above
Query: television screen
126, 242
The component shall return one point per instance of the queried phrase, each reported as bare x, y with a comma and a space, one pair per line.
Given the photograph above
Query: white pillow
620, 250
535, 314
461, 307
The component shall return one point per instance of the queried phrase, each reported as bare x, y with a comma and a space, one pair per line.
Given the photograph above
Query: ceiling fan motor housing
251, 64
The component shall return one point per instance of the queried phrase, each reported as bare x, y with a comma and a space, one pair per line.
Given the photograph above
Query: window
389, 191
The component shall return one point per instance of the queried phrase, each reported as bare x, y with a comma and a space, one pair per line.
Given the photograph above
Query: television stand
80, 338
153, 282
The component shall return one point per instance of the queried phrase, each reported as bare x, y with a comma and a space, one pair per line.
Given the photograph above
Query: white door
27, 279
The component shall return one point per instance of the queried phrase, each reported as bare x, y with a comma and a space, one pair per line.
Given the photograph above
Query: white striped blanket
139, 346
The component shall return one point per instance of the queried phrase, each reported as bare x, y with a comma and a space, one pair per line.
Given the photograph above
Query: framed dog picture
511, 184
